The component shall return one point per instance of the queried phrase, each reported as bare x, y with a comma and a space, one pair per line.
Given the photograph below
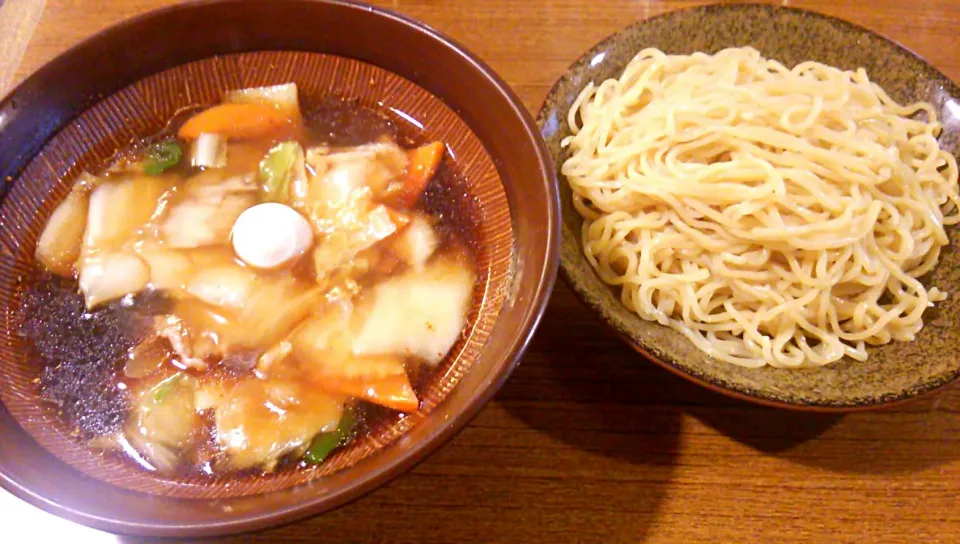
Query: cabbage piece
170, 270
62, 238
351, 237
337, 172
259, 421
119, 209
323, 345
216, 184
274, 309
273, 356
117, 212
210, 257
327, 335
110, 276
282, 172
341, 187
283, 97
341, 201
416, 243
157, 456
207, 212
419, 313
163, 419
246, 312
227, 286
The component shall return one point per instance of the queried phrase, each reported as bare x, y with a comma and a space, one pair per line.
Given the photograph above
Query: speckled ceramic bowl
895, 372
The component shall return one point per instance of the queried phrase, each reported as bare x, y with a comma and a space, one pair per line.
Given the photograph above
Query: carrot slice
239, 121
322, 348
392, 391
423, 165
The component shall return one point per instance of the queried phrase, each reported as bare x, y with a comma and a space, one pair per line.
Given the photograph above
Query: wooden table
588, 442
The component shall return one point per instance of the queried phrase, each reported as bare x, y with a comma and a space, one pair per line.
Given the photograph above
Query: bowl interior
144, 108
76, 110
893, 372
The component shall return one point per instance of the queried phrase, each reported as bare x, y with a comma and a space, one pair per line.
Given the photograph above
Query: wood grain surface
18, 19
588, 442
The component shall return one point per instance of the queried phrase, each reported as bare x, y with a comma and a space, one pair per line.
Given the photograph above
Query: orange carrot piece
423, 165
239, 121
391, 391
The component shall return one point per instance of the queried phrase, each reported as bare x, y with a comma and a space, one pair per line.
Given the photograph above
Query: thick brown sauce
82, 353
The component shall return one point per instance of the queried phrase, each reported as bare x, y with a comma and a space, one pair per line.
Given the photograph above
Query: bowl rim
531, 310
569, 277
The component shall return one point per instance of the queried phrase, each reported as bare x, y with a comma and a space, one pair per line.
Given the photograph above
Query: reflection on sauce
188, 358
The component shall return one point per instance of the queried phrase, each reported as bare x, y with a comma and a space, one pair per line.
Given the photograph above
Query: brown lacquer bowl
124, 84
894, 372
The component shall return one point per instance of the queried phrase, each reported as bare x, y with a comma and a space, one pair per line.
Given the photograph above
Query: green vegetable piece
165, 387
324, 443
162, 156
276, 170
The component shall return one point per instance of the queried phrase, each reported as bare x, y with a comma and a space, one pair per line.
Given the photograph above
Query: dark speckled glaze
894, 372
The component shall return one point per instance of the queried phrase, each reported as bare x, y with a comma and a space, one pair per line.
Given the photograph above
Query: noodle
773, 216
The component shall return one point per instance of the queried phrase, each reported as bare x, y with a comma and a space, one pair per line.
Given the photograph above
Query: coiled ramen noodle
772, 215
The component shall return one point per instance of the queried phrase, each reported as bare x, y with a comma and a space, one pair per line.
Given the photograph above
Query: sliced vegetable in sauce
324, 348
418, 313
417, 243
118, 210
166, 386
273, 311
257, 421
209, 207
226, 286
283, 278
209, 151
277, 170
110, 276
163, 421
161, 157
361, 230
239, 121
324, 443
394, 392
59, 245
423, 165
170, 269
283, 97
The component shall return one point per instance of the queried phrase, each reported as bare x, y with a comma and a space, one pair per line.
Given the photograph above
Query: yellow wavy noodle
771, 215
